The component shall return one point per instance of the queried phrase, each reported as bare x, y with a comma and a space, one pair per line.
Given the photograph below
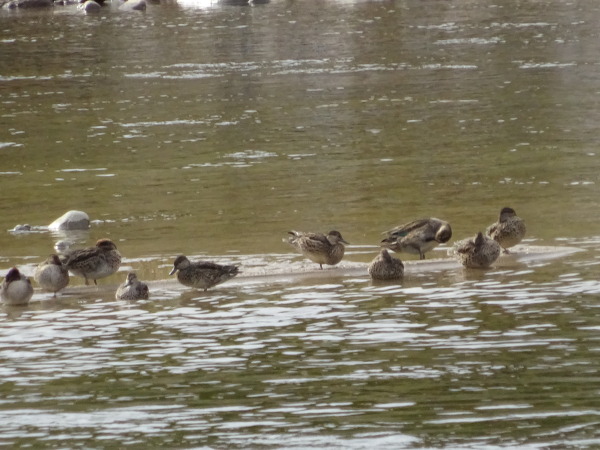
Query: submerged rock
133, 5
21, 228
14, 4
90, 6
71, 220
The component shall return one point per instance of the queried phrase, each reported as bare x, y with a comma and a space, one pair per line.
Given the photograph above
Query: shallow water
210, 130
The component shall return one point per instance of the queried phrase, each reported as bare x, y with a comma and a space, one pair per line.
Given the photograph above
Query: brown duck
320, 248
386, 267
418, 237
202, 274
509, 230
96, 262
132, 289
16, 289
51, 274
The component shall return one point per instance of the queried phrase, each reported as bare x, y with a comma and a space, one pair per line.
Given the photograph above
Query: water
210, 130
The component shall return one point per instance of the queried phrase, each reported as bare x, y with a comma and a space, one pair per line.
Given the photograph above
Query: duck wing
403, 230
207, 266
79, 256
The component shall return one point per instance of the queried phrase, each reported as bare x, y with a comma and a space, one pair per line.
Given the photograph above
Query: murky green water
211, 130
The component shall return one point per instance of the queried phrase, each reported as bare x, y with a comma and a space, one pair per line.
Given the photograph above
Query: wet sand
305, 270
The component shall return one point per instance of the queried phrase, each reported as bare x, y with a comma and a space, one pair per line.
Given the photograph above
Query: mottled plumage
202, 274
96, 262
418, 237
509, 230
16, 289
51, 274
478, 253
318, 247
132, 289
386, 267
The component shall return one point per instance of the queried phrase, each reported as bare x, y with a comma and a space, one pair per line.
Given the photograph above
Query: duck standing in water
320, 248
386, 267
51, 274
132, 289
202, 274
418, 237
509, 230
96, 262
16, 289
478, 253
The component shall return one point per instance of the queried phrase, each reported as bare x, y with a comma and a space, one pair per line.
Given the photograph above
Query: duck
51, 274
418, 237
509, 230
16, 289
320, 248
386, 267
202, 274
93, 263
132, 289
477, 253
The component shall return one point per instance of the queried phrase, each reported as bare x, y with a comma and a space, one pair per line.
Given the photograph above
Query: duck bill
173, 271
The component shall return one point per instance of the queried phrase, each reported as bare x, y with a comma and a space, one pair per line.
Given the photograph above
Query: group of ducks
417, 237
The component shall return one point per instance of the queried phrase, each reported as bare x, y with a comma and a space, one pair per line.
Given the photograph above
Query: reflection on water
211, 129
343, 363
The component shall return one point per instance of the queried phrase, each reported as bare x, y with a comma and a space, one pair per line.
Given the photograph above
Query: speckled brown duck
418, 237
16, 289
320, 248
52, 275
202, 274
386, 267
132, 289
477, 253
509, 230
96, 262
